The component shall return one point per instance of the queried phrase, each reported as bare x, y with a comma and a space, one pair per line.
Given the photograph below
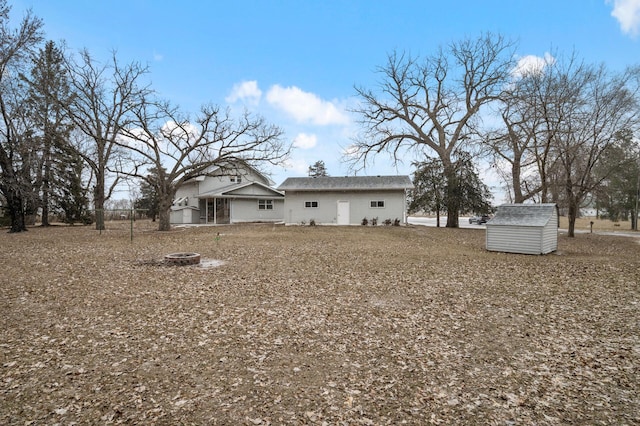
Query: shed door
343, 213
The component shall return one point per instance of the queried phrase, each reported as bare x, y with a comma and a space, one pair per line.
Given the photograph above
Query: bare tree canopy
105, 95
561, 122
179, 148
432, 104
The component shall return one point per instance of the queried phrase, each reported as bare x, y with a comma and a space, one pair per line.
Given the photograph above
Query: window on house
235, 179
310, 204
377, 204
265, 204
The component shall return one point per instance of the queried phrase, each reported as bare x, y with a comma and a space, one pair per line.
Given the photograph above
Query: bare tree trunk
515, 181
453, 199
572, 215
46, 187
572, 207
15, 205
98, 201
164, 214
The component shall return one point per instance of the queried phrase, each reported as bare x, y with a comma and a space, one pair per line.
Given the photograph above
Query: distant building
234, 193
345, 200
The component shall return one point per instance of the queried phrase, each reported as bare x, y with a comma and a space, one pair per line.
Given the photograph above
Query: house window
235, 179
265, 204
310, 204
377, 204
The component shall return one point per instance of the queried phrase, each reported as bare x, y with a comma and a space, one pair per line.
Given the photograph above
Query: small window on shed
310, 204
265, 204
377, 204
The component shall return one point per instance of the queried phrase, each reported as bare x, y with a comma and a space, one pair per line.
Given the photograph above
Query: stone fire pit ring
182, 259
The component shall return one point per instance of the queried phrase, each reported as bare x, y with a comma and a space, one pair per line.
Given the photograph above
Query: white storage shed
524, 228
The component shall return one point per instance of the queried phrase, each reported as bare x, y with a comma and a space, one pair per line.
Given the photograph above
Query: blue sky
297, 62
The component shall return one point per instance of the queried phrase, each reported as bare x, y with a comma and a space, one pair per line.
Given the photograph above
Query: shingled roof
346, 183
523, 214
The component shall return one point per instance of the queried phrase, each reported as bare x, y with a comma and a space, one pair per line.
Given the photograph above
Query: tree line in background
561, 131
74, 128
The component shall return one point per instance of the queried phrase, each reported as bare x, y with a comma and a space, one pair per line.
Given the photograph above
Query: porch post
215, 213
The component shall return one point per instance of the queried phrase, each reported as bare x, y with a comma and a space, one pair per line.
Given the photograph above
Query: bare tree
105, 94
15, 149
434, 104
178, 148
598, 106
520, 146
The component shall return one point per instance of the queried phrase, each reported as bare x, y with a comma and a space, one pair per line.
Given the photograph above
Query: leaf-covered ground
316, 325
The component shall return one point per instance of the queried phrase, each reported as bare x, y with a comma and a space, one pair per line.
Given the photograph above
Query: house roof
228, 166
523, 215
231, 191
346, 183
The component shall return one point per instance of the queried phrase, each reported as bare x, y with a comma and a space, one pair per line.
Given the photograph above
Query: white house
345, 200
228, 194
524, 228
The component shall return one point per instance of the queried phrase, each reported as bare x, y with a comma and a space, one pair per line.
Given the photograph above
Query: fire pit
182, 259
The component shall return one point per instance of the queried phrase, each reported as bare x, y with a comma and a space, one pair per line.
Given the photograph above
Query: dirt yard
316, 325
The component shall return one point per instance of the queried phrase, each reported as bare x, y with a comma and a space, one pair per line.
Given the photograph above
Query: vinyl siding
247, 211
211, 183
514, 239
550, 235
295, 211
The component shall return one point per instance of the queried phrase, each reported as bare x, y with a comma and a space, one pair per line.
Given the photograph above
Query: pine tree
318, 169
48, 96
69, 194
149, 200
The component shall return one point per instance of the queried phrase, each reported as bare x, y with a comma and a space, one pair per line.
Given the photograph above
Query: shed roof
523, 214
346, 183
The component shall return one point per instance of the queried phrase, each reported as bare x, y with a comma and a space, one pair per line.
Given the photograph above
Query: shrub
396, 222
312, 222
387, 222
365, 222
374, 221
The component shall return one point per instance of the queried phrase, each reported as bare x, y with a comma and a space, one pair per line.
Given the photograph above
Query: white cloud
351, 152
532, 64
181, 131
157, 56
247, 91
627, 12
305, 141
305, 107
297, 166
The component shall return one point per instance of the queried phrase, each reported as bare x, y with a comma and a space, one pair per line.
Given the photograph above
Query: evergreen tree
430, 188
434, 188
69, 195
318, 169
617, 195
149, 200
16, 156
48, 96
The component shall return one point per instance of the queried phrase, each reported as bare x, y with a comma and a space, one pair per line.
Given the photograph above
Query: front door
342, 217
